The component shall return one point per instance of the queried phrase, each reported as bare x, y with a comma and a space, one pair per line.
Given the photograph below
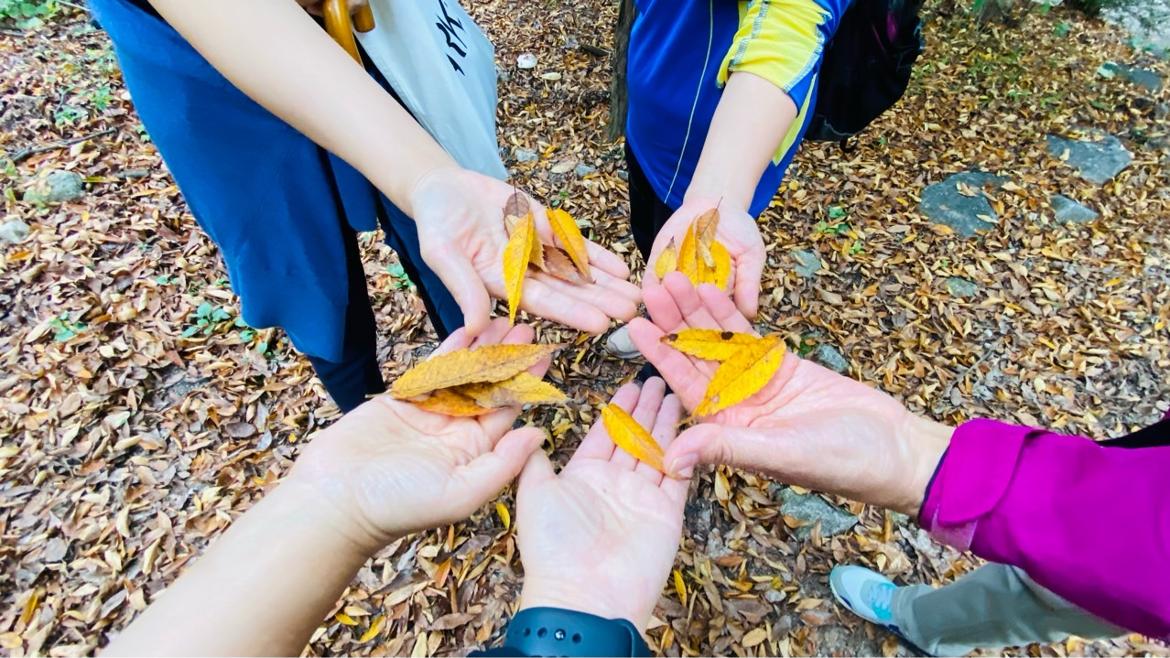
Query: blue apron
272, 200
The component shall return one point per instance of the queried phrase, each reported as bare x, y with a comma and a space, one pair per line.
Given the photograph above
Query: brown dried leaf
450, 402
489, 363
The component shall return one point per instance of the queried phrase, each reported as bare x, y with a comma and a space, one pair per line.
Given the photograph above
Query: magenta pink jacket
1087, 521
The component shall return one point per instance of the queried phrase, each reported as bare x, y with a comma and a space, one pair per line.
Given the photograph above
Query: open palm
459, 215
737, 231
601, 536
394, 469
808, 426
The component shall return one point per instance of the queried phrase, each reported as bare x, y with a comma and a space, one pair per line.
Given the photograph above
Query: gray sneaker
619, 344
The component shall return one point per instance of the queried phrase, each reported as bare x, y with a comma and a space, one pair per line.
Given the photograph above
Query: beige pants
992, 607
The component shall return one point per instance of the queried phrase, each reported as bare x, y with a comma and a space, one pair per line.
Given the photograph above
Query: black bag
866, 66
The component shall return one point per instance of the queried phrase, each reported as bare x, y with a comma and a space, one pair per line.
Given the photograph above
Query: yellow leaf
505, 516
743, 375
489, 363
30, 607
709, 344
566, 230
688, 256
450, 402
524, 388
345, 619
667, 260
517, 253
680, 587
754, 637
628, 435
374, 629
720, 275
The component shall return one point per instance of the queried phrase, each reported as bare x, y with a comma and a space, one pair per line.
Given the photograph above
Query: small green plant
65, 329
1062, 29
67, 115
856, 248
398, 274
100, 98
205, 319
26, 14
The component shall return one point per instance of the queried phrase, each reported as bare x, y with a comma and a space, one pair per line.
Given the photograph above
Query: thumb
711, 443
748, 273
485, 476
537, 471
465, 285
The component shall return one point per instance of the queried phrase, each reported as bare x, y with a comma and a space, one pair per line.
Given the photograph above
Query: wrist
318, 508
543, 592
926, 441
718, 191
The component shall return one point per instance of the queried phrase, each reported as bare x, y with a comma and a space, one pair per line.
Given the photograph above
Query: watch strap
561, 632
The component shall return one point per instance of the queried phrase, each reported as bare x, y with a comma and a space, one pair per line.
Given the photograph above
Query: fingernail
680, 466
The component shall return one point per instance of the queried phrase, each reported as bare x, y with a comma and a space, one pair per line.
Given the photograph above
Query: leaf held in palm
743, 375
558, 264
667, 260
450, 402
709, 344
490, 363
523, 388
628, 435
569, 235
516, 256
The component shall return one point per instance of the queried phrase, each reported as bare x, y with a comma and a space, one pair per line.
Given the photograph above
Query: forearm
749, 125
277, 55
260, 589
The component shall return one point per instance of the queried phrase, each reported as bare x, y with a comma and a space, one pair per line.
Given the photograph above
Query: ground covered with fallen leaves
138, 417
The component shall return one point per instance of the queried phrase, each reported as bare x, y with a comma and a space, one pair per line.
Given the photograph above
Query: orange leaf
705, 227
450, 402
709, 344
489, 363
720, 274
566, 230
628, 435
558, 264
688, 256
742, 375
517, 253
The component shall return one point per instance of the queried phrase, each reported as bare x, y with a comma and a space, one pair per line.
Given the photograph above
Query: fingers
460, 278
484, 477
661, 307
498, 330
711, 443
723, 310
664, 430
606, 261
686, 380
748, 272
644, 414
537, 470
687, 300
612, 296
597, 444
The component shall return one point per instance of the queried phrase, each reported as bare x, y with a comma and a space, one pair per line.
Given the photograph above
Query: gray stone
526, 61
960, 287
13, 230
584, 170
807, 263
524, 155
1068, 211
811, 508
831, 358
945, 202
1097, 162
623, 174
1144, 78
55, 186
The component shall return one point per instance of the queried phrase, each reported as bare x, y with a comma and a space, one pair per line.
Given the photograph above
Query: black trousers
647, 213
357, 375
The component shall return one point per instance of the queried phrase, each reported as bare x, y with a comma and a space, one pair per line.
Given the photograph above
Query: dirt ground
138, 417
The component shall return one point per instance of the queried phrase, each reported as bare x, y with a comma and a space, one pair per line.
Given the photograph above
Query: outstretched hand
390, 468
601, 536
809, 426
459, 216
737, 231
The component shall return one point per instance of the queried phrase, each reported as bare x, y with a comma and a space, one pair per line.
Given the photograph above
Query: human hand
388, 468
737, 231
809, 426
459, 214
601, 536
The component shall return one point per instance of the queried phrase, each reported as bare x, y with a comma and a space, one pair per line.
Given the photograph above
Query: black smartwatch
560, 632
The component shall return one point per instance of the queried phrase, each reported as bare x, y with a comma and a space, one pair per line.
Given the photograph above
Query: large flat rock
1096, 161
958, 202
